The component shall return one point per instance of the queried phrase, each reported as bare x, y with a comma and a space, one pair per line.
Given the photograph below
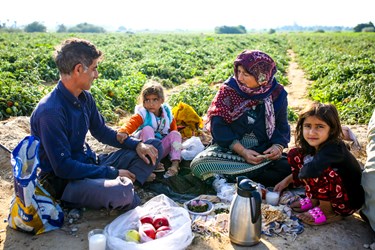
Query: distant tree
271, 31
86, 28
361, 26
12, 29
61, 28
230, 30
242, 28
368, 29
35, 27
319, 31
121, 29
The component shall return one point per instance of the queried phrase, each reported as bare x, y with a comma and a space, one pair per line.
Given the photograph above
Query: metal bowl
210, 207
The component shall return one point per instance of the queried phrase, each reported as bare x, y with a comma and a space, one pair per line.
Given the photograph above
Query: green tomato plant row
27, 70
342, 69
26, 63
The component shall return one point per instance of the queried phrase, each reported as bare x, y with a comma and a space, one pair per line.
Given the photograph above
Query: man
70, 170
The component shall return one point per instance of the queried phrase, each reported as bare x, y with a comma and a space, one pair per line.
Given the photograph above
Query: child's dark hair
151, 88
325, 112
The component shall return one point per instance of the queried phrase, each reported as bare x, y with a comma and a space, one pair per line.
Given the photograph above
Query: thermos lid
246, 187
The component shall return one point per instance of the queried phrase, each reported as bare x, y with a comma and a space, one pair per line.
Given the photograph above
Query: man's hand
147, 152
126, 173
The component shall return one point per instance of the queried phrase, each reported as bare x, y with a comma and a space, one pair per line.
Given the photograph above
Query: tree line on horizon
240, 29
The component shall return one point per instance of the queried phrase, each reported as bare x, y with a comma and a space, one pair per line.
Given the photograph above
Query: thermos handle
255, 214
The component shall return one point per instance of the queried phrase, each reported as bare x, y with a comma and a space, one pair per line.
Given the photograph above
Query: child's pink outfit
145, 125
171, 142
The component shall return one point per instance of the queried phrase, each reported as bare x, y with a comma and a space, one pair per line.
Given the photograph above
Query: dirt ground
350, 233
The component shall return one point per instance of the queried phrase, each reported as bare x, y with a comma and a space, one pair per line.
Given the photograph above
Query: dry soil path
298, 87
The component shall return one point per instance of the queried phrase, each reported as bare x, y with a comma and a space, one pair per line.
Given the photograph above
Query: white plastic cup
97, 239
272, 197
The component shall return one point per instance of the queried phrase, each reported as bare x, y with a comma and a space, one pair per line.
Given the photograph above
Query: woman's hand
274, 152
251, 156
147, 153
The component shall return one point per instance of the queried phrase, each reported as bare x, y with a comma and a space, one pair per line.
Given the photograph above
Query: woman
249, 125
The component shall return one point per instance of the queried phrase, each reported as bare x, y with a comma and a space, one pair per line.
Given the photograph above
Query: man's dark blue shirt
61, 122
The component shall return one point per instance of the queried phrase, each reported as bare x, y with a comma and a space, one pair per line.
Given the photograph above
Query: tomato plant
341, 66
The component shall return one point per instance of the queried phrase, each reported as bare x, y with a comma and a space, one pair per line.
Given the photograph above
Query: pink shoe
318, 215
306, 204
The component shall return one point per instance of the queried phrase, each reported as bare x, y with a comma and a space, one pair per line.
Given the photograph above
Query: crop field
341, 66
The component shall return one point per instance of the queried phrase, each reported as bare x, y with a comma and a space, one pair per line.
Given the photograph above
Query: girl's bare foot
172, 170
159, 168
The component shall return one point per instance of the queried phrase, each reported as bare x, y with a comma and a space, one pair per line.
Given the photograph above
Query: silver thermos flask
245, 224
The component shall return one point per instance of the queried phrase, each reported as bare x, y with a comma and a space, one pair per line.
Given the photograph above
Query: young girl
153, 118
323, 163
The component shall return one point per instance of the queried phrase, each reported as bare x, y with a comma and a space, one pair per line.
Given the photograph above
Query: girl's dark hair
74, 51
325, 112
151, 88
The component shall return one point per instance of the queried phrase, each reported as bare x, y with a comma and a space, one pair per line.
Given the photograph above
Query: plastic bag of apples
158, 224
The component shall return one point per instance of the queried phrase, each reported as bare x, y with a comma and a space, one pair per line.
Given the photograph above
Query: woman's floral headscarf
235, 98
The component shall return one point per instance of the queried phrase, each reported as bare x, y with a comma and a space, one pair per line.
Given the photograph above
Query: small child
324, 165
153, 119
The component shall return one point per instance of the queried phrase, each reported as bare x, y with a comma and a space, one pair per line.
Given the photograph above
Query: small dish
208, 203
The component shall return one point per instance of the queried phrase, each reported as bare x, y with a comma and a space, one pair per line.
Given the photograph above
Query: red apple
146, 219
164, 228
162, 231
159, 221
147, 229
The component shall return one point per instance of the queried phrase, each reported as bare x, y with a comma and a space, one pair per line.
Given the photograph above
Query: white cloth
368, 175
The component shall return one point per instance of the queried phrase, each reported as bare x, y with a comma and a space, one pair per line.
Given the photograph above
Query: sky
193, 15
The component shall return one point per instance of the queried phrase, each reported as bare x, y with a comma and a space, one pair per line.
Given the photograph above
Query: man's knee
122, 194
101, 193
